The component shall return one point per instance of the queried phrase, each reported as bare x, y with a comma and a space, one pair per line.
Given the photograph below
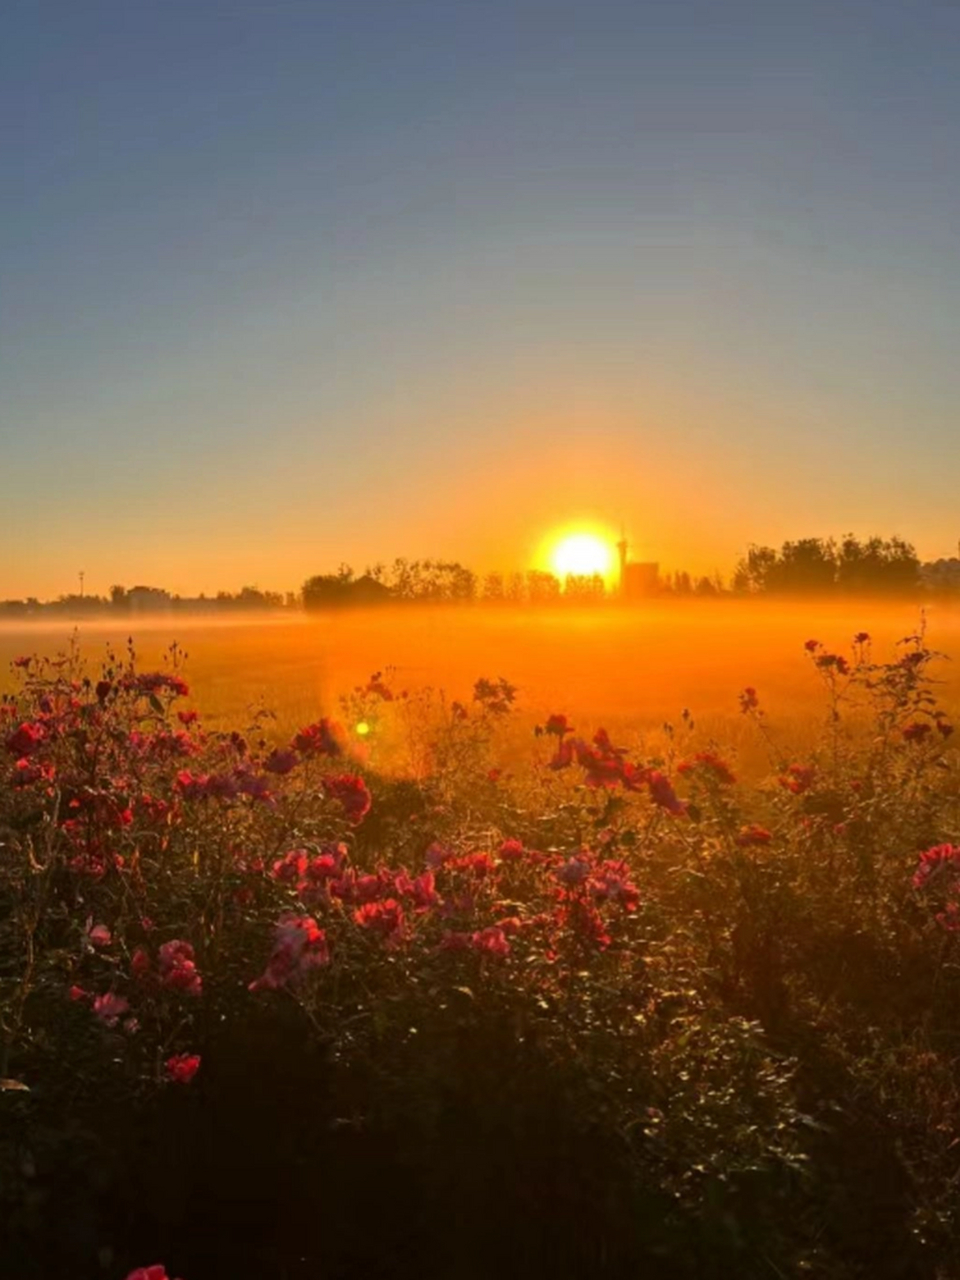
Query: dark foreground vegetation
366, 1003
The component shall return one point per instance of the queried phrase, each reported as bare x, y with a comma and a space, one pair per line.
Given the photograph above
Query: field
629, 670
473, 943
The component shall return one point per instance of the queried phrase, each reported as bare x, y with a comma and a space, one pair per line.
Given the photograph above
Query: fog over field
629, 669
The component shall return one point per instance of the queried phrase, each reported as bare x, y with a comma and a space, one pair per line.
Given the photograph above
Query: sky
286, 283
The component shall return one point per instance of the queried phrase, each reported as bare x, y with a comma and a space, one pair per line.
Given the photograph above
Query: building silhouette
148, 600
639, 579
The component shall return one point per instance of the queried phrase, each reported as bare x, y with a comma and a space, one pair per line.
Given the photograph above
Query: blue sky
287, 283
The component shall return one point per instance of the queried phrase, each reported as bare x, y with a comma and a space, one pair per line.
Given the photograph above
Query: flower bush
635, 1007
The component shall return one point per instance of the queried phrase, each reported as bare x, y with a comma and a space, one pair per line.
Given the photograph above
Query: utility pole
622, 550
81, 584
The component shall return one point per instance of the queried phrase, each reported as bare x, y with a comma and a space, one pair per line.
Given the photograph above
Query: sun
582, 553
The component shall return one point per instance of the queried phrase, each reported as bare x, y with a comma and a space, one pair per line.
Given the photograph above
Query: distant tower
622, 549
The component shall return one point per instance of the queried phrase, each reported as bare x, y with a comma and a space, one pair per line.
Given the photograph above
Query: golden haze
628, 669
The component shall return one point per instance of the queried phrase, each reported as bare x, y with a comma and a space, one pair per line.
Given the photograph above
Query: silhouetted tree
819, 565
494, 591
515, 588
753, 573
249, 598
460, 583
542, 587
432, 580
877, 565
584, 588
401, 578
808, 565
328, 590
941, 577
74, 603
805, 566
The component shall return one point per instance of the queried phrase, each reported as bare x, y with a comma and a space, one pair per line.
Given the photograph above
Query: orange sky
360, 282
690, 482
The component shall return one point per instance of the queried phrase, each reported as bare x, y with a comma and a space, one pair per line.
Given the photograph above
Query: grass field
675, 1002
630, 670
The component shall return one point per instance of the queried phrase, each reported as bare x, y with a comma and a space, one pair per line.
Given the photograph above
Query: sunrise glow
582, 553
479, 637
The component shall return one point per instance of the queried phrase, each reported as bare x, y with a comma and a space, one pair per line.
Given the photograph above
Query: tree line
823, 566
807, 566
447, 582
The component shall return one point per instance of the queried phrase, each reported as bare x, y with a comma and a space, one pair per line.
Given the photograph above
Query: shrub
257, 995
